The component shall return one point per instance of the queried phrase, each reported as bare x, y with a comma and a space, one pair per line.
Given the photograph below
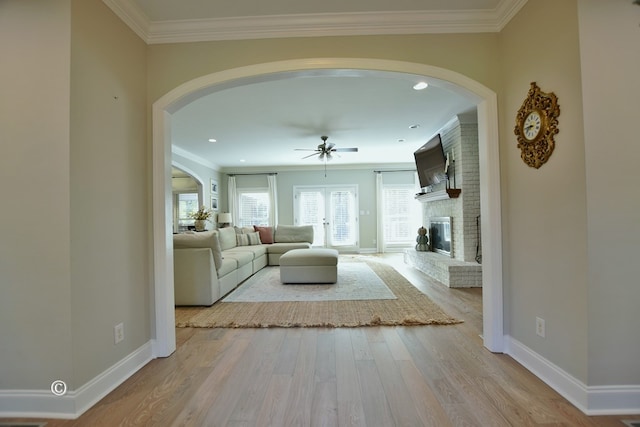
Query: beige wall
74, 257
474, 55
109, 213
544, 210
35, 269
610, 54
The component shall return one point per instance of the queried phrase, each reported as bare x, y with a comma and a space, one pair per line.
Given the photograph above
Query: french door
333, 212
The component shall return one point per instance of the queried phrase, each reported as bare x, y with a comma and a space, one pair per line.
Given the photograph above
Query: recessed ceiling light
242, 160
414, 126
420, 85
212, 140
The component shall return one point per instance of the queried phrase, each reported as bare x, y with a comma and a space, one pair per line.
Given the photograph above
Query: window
401, 213
186, 204
253, 207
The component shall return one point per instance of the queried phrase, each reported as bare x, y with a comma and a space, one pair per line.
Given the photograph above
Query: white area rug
356, 281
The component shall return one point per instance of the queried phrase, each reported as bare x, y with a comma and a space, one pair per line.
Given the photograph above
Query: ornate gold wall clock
536, 125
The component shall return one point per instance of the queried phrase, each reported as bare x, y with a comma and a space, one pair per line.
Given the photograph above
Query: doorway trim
163, 322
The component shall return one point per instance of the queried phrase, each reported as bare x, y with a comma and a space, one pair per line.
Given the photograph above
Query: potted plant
201, 215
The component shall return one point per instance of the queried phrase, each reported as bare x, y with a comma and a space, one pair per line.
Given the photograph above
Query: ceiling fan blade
305, 149
345, 150
306, 157
329, 146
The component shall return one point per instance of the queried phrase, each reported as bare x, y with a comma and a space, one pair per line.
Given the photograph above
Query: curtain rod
396, 170
257, 173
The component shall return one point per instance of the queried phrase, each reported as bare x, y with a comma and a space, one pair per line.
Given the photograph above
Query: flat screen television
431, 163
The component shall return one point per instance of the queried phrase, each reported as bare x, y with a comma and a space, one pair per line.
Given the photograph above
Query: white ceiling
261, 124
264, 123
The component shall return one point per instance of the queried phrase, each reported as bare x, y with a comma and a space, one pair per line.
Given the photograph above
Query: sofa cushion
266, 234
227, 238
293, 233
241, 258
256, 250
205, 239
248, 239
228, 265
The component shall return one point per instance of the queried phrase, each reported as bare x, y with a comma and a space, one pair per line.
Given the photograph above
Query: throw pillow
248, 239
266, 233
227, 238
243, 230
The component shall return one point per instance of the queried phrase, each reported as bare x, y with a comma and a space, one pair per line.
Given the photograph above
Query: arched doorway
163, 314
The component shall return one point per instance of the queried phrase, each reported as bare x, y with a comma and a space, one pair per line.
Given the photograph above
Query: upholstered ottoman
309, 266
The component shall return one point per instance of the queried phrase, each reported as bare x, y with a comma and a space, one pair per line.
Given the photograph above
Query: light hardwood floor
373, 376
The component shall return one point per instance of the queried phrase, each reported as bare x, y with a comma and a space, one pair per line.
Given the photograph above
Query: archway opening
486, 103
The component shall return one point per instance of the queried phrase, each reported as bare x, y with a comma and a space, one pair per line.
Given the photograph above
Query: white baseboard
44, 404
591, 400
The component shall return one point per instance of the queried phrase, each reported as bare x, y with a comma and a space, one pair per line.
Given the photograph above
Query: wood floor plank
350, 410
395, 344
206, 396
288, 353
253, 393
273, 408
360, 344
325, 369
374, 400
324, 405
298, 411
395, 389
429, 409
243, 384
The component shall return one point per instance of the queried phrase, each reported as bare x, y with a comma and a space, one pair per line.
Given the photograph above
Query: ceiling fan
325, 150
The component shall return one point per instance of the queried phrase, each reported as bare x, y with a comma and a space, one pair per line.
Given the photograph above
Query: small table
315, 265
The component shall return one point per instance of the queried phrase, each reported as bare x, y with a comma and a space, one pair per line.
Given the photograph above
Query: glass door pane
343, 224
333, 213
310, 211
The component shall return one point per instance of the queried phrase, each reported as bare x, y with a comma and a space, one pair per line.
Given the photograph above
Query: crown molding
194, 158
317, 25
129, 12
314, 25
506, 10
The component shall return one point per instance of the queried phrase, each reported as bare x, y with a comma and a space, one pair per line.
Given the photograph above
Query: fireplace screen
440, 234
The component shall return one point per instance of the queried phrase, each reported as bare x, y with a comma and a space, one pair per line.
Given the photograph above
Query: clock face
532, 125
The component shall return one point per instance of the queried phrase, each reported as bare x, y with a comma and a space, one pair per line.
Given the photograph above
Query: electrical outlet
540, 327
118, 333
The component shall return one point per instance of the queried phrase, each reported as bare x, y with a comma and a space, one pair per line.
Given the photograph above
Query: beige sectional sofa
209, 264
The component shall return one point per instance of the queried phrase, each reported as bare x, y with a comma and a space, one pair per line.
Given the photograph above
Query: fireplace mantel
432, 196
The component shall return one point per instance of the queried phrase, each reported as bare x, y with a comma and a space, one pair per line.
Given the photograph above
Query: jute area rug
410, 307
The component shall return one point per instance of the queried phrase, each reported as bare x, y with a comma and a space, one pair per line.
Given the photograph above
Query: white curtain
379, 214
232, 199
273, 199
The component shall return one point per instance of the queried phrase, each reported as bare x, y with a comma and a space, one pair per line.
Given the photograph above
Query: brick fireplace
461, 268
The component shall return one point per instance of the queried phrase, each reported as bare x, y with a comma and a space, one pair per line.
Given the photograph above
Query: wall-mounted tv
431, 162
